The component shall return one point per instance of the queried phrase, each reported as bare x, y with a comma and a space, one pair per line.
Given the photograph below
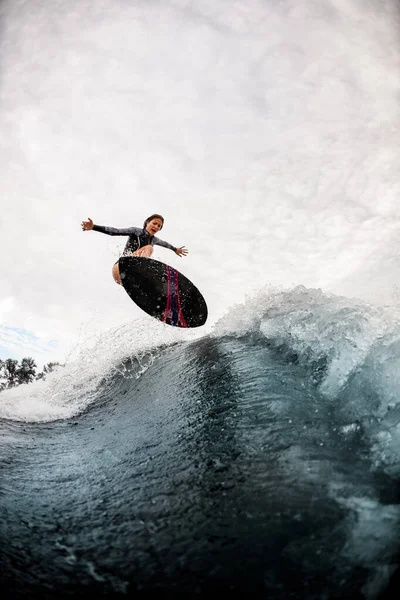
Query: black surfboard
162, 292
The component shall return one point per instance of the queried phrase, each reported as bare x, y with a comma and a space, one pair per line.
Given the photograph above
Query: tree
2, 382
47, 369
26, 371
10, 372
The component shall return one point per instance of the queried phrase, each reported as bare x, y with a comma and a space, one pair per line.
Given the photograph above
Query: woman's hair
151, 218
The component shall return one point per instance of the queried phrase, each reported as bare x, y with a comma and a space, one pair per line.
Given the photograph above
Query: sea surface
259, 458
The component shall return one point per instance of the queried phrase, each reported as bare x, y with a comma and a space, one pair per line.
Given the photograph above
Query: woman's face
154, 226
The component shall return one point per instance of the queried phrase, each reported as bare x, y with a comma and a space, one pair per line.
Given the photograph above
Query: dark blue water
260, 459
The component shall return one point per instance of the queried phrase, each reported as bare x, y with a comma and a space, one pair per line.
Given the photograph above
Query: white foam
69, 389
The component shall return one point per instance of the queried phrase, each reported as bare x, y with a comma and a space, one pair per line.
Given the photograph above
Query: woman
140, 241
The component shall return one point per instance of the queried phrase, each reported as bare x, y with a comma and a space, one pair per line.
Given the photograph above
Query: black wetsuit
137, 238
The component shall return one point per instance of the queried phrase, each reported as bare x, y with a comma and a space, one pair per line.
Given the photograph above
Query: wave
260, 456
349, 348
70, 389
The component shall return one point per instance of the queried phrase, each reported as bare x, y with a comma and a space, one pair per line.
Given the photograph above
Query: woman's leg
115, 272
145, 251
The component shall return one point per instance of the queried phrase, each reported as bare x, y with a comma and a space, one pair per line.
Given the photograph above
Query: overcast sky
266, 132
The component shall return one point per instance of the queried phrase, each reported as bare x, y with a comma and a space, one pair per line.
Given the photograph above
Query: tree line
13, 373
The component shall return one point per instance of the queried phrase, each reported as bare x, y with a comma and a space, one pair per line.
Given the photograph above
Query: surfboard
162, 291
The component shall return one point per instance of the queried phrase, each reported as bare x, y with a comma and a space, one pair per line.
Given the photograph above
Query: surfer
140, 241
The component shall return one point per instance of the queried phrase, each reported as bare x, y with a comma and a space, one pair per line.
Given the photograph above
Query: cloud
19, 343
257, 129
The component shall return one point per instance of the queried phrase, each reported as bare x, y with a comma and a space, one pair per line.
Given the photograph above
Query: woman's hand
181, 251
87, 225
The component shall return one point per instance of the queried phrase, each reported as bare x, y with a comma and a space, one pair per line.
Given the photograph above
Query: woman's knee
116, 275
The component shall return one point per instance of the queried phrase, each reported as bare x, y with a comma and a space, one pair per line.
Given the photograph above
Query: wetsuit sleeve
115, 231
159, 242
